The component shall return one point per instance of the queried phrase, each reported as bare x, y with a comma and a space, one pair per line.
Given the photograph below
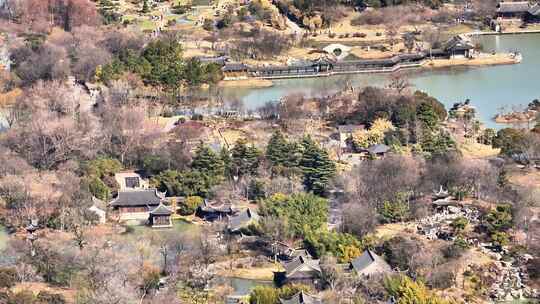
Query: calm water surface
243, 287
489, 88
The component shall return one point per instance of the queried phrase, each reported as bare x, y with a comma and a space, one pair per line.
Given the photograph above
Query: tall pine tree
225, 156
282, 154
245, 159
207, 162
316, 166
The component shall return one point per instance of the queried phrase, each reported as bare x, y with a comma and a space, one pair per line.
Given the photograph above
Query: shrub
154, 164
459, 224
197, 117
456, 249
21, 297
256, 190
533, 268
395, 210
208, 25
8, 277
405, 290
441, 278
264, 295
369, 17
500, 238
499, 219
190, 205
98, 188
45, 297
167, 113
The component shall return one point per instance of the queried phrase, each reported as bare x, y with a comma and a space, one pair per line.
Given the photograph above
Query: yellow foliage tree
373, 136
407, 291
9, 98
350, 252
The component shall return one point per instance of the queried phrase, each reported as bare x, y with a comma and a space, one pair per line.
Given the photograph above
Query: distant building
136, 204
512, 9
220, 60
235, 71
99, 208
242, 220
302, 270
286, 253
378, 150
457, 47
160, 217
518, 10
369, 264
130, 180
214, 211
346, 132
301, 298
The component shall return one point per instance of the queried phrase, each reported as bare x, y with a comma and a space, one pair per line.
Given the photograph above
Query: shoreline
489, 60
426, 64
250, 83
493, 33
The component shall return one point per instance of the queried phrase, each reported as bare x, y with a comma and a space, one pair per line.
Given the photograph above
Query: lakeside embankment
494, 33
246, 83
483, 60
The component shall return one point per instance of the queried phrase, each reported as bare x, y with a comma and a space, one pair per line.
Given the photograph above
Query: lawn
259, 273
147, 25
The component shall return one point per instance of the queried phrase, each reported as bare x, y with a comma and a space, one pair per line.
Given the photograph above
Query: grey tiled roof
350, 128
513, 7
368, 258
457, 43
535, 10
234, 67
215, 207
161, 210
242, 219
378, 148
146, 197
294, 265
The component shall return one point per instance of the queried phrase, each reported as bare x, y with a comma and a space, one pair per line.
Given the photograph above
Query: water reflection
490, 88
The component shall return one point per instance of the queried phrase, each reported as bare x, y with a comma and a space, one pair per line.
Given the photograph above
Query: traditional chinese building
160, 217
301, 270
369, 264
136, 204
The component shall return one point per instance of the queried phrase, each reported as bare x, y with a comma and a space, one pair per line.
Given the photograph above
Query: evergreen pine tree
282, 154
145, 7
245, 160
276, 149
426, 114
109, 11
225, 157
207, 162
316, 166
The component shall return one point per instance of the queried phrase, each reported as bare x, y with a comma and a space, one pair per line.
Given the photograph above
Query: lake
489, 88
242, 287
